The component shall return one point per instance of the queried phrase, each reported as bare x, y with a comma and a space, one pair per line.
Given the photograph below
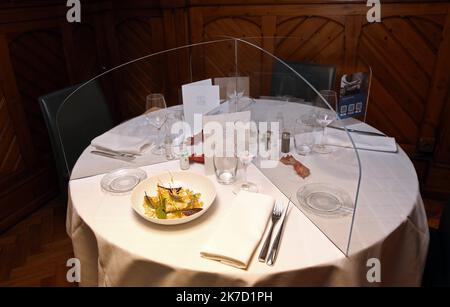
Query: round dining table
117, 247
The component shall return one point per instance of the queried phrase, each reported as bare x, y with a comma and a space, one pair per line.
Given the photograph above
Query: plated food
171, 198
171, 202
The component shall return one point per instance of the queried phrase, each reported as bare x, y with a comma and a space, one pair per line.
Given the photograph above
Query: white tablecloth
117, 247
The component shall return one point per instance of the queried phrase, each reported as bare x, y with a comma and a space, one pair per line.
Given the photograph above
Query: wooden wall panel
312, 39
11, 161
39, 53
138, 37
403, 61
38, 56
220, 58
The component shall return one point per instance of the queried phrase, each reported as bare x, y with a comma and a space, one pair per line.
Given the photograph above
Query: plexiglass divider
319, 170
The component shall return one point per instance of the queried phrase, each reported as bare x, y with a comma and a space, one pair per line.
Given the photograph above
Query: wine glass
156, 116
235, 91
324, 116
246, 157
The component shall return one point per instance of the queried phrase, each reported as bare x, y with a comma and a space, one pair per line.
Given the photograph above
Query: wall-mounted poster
354, 94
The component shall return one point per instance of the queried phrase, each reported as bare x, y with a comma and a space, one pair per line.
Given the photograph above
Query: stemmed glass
246, 158
324, 116
156, 116
235, 91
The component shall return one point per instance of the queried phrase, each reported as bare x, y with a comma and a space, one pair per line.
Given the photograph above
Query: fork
118, 153
276, 215
113, 156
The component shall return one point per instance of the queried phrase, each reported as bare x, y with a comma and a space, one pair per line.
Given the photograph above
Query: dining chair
437, 268
72, 124
286, 83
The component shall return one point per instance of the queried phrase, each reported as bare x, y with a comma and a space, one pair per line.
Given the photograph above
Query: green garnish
161, 209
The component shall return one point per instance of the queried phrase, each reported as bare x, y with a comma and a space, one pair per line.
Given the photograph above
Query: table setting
145, 208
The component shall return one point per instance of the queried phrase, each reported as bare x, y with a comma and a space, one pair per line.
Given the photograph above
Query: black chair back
286, 83
72, 124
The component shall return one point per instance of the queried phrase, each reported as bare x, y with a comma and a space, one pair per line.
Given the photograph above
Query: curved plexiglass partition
281, 109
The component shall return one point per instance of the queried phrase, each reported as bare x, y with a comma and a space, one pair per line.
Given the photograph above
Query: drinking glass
235, 91
304, 136
246, 158
225, 169
157, 118
324, 116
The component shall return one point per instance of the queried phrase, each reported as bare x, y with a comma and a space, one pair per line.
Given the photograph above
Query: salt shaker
285, 142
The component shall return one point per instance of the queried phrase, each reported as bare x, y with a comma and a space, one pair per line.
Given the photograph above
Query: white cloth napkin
121, 143
237, 236
362, 141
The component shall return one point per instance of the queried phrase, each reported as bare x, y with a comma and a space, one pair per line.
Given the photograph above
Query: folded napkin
235, 239
362, 141
121, 143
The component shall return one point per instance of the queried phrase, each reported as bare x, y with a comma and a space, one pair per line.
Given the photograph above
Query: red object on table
197, 159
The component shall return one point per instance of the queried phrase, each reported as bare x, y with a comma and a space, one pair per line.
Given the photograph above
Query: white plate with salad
173, 198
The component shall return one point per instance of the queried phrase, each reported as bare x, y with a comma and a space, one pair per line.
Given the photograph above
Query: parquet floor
35, 251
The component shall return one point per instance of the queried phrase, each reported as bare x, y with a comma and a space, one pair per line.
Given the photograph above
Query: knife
359, 131
111, 155
276, 243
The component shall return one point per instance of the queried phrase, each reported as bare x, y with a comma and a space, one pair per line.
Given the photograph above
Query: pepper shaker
285, 142
268, 139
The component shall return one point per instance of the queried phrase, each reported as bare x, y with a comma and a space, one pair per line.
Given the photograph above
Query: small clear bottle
168, 148
184, 159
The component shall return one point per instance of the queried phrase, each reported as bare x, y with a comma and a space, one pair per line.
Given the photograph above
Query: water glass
225, 169
304, 137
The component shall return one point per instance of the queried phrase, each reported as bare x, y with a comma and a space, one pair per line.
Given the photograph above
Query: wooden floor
35, 252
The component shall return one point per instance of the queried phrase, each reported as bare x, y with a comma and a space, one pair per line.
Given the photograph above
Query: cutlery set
269, 252
358, 131
124, 156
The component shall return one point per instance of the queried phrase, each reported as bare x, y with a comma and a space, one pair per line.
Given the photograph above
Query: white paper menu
199, 98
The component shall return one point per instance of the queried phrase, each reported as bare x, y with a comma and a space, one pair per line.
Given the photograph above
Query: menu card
199, 98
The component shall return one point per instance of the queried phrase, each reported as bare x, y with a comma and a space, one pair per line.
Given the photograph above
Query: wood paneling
39, 53
11, 161
139, 37
220, 62
403, 63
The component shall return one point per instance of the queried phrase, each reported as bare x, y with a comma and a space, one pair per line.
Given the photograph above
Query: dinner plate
192, 181
325, 199
122, 180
